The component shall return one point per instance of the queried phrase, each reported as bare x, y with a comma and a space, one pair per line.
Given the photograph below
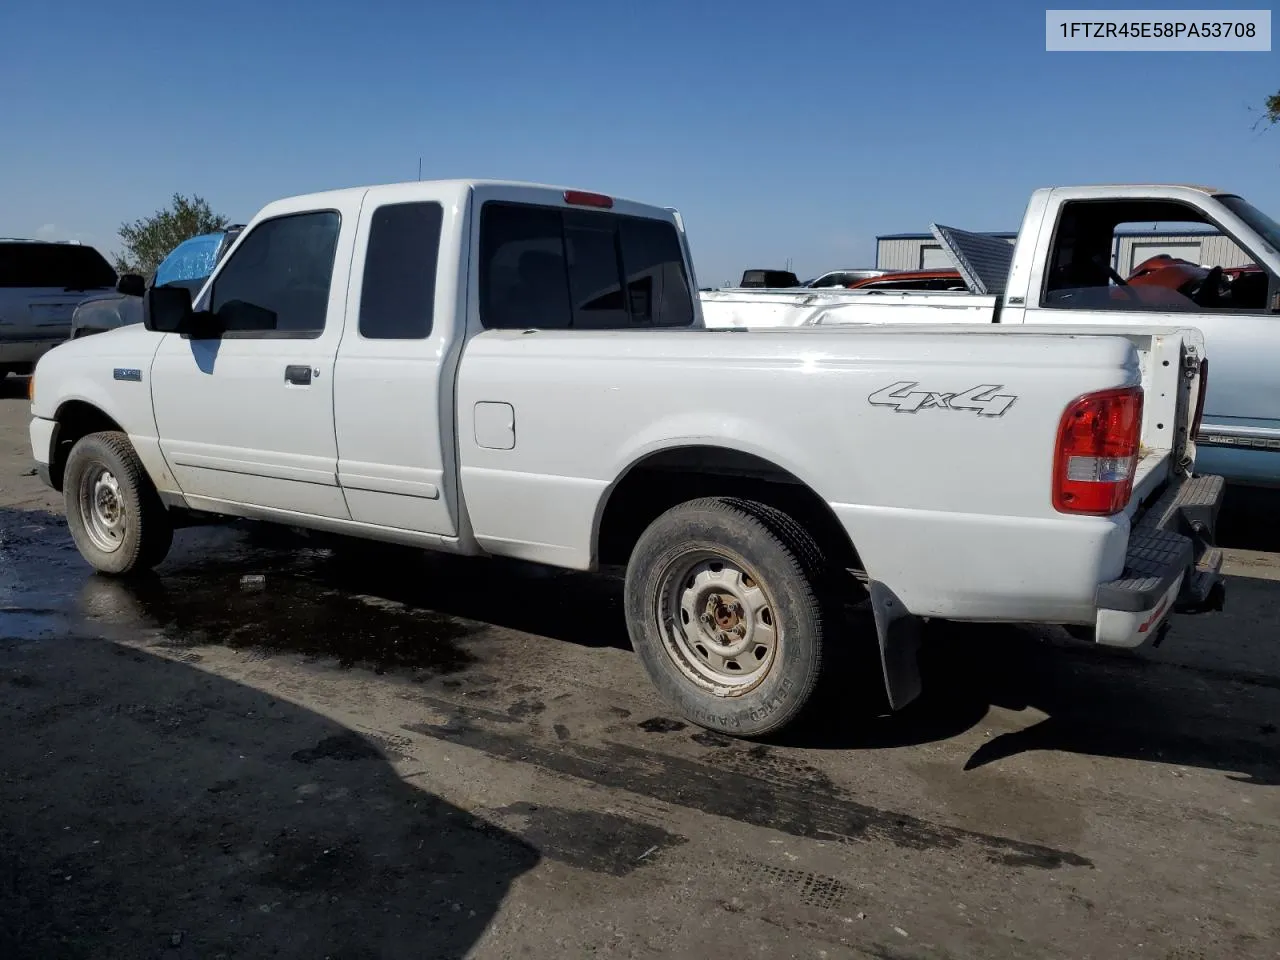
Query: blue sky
781, 131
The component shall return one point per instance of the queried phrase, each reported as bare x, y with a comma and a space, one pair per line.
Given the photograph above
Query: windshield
190, 260
1265, 227
62, 265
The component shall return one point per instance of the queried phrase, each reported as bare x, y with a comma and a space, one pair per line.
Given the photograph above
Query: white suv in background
41, 283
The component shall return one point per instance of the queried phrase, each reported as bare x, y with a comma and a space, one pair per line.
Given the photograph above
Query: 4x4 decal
905, 398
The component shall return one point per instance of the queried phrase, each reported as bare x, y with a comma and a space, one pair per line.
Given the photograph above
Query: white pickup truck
521, 371
1061, 271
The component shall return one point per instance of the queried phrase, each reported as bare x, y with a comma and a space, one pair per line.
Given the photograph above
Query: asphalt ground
378, 753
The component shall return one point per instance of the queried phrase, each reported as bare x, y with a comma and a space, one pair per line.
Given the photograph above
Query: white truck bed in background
746, 309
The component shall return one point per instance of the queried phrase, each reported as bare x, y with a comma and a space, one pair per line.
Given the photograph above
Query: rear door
393, 383
247, 418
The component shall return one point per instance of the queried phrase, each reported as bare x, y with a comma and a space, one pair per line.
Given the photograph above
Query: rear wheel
115, 517
725, 607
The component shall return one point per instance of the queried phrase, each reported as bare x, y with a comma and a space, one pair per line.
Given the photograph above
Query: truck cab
1062, 271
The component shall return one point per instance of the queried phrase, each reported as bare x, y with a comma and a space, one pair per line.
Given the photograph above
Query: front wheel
115, 517
725, 608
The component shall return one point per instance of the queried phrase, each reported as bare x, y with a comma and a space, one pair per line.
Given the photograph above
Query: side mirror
131, 285
167, 310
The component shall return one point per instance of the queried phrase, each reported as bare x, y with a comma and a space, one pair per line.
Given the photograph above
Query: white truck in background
1060, 271
521, 371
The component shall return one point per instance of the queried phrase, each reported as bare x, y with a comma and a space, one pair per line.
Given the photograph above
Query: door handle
298, 374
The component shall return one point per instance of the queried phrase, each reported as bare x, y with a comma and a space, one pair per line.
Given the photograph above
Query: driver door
246, 418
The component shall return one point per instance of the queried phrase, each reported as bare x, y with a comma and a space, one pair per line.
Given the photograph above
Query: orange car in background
912, 280
1244, 287
1175, 281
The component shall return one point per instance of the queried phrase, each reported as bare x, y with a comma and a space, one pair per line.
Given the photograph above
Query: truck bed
746, 309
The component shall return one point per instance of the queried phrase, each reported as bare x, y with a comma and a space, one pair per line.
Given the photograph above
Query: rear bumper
1171, 565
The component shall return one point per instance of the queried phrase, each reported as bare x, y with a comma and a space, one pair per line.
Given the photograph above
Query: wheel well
75, 419
670, 477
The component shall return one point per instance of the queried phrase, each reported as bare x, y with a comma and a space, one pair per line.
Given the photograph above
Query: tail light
1204, 384
1097, 454
584, 198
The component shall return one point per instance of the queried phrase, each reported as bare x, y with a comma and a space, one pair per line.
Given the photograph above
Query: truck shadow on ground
1096, 702
1250, 519
388, 608
13, 387
148, 808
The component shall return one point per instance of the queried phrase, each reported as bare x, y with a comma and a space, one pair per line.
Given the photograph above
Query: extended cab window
544, 267
277, 281
1148, 255
398, 296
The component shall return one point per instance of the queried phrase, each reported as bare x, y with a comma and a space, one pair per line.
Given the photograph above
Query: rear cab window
60, 266
565, 268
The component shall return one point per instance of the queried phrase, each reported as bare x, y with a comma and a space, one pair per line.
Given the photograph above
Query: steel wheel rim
102, 508
719, 622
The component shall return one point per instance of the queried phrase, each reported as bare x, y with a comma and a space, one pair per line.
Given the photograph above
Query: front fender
104, 380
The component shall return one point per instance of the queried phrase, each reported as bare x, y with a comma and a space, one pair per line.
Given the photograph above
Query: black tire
144, 531
761, 547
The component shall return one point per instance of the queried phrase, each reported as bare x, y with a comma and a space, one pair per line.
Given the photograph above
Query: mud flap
899, 634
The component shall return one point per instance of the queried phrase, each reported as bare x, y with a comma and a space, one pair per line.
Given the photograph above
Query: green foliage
1272, 107
148, 241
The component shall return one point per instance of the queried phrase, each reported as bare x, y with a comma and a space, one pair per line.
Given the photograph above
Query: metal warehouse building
920, 251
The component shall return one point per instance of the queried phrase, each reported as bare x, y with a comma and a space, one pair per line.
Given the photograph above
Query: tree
149, 240
1272, 107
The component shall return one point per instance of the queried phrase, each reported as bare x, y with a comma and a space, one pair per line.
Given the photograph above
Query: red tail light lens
1097, 454
581, 198
1204, 385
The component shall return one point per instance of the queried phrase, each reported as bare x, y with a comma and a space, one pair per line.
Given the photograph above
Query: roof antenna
419, 168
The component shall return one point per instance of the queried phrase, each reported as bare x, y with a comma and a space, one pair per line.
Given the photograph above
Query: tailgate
37, 314
1173, 369
1173, 376
1171, 562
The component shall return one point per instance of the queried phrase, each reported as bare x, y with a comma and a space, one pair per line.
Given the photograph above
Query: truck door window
1148, 255
543, 267
276, 284
397, 298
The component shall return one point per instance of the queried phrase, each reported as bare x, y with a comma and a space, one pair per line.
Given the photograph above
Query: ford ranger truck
1062, 271
522, 371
